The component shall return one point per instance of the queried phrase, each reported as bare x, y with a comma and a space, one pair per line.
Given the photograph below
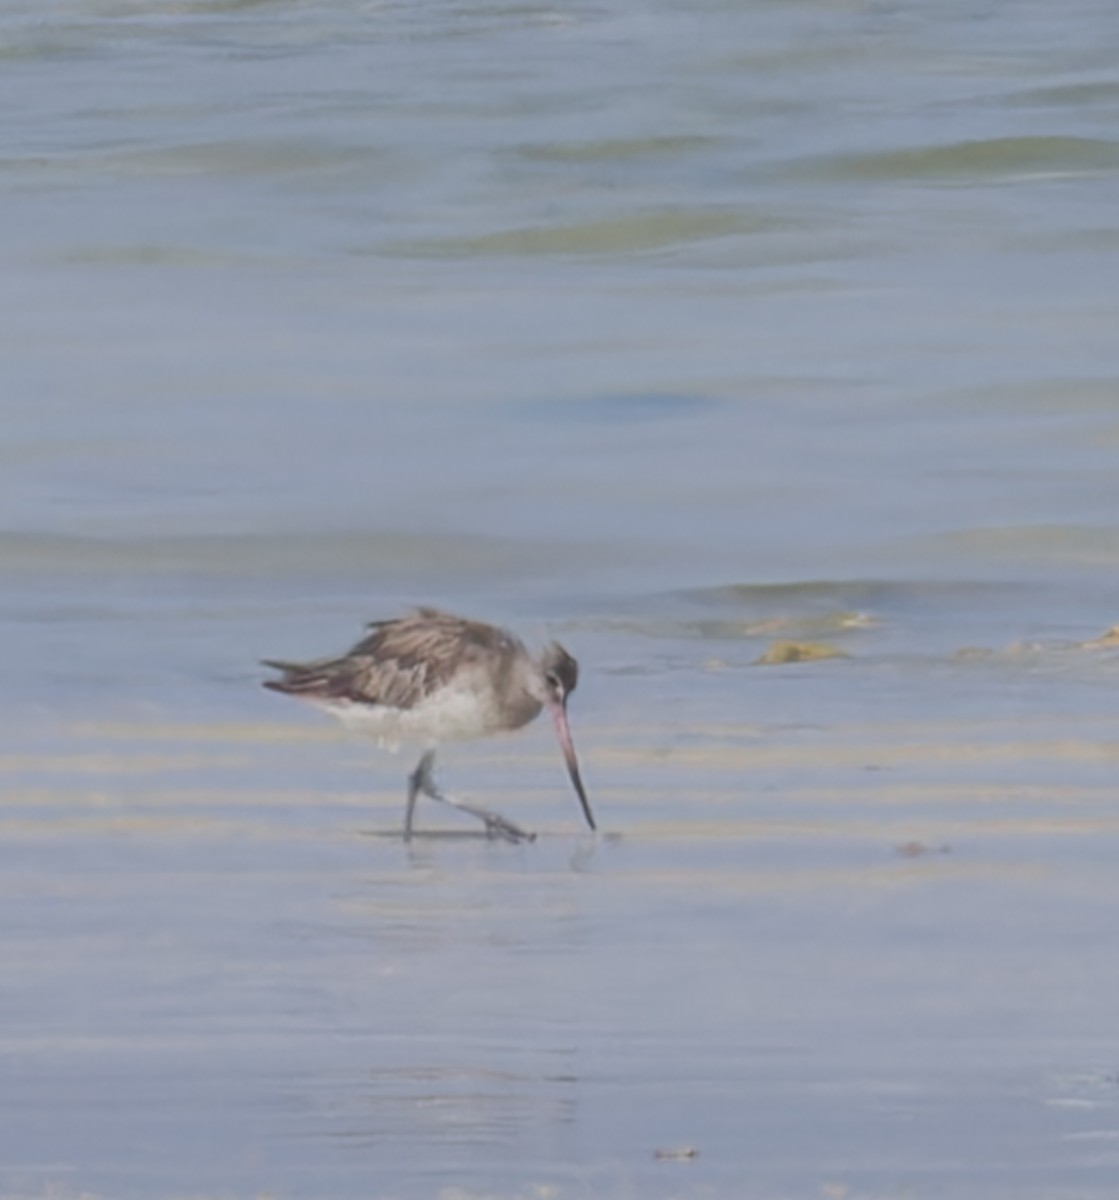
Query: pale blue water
667, 330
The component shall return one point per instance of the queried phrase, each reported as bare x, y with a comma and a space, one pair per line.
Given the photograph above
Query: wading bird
432, 677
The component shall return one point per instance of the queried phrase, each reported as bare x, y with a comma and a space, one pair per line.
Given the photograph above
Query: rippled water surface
674, 331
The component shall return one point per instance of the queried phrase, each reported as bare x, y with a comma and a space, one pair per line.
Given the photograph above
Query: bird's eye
553, 681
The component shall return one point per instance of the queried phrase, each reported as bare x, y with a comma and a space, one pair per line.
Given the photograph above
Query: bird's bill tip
563, 732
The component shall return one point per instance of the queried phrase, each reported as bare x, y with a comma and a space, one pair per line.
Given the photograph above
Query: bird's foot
497, 826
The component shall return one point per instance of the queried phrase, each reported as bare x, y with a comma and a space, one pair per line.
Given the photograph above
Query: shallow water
867, 958
669, 332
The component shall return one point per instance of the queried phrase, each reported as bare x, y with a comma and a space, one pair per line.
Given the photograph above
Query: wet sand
873, 960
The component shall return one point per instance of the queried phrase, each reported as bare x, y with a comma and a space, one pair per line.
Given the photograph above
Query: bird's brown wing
398, 662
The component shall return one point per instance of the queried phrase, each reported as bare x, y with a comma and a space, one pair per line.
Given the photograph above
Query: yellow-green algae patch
794, 652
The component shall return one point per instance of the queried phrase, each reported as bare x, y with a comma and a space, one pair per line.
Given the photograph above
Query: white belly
449, 715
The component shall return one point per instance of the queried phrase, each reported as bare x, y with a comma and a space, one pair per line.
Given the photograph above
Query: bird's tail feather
300, 679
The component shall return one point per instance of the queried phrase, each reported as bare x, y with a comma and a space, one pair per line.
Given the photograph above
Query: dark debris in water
917, 849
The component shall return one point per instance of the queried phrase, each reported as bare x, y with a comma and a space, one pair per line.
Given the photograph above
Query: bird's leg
423, 780
415, 786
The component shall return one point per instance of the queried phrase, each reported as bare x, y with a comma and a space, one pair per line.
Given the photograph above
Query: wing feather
398, 662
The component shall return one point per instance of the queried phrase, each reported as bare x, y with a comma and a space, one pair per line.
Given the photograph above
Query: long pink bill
559, 717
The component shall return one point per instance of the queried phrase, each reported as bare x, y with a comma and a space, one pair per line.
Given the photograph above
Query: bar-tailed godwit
432, 677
